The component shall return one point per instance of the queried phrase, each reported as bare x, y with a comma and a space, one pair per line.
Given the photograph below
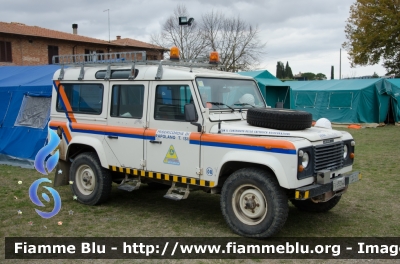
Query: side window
127, 101
170, 102
83, 98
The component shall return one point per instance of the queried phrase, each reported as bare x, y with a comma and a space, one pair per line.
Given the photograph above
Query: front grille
328, 156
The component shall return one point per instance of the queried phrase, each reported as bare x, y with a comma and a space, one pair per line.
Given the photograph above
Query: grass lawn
369, 208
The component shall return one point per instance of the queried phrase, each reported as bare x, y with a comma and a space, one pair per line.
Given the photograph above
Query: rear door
126, 122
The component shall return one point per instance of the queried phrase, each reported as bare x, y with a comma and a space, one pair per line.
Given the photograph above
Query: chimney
75, 29
118, 37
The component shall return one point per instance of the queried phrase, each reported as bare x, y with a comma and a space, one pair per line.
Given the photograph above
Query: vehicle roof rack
120, 59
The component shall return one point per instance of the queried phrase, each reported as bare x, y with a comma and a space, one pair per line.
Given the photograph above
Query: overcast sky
307, 33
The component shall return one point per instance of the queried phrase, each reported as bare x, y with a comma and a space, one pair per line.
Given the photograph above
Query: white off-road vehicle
122, 118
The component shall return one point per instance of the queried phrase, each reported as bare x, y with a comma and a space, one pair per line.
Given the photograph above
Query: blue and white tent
25, 96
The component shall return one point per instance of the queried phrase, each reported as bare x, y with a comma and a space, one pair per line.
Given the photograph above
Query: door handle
116, 137
155, 142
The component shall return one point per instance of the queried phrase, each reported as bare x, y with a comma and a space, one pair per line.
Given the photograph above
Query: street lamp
184, 21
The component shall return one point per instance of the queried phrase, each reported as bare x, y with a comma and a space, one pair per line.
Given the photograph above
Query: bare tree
234, 39
189, 39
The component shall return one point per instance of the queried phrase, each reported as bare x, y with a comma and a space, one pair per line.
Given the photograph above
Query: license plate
353, 178
339, 184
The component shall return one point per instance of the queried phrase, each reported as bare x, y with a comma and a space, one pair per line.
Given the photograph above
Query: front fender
264, 159
94, 143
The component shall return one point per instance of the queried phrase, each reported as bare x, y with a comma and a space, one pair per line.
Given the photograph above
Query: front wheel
91, 182
253, 204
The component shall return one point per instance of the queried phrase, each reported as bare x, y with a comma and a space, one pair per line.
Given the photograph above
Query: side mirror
191, 116
190, 113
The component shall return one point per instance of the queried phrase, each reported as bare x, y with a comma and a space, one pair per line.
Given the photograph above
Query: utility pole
340, 65
109, 38
183, 21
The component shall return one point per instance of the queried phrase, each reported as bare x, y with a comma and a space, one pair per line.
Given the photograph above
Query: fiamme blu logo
45, 162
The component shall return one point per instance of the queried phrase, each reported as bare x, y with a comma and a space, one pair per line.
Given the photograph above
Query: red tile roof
136, 43
35, 31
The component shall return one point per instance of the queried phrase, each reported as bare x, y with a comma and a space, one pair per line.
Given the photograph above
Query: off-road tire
282, 119
98, 179
253, 183
310, 206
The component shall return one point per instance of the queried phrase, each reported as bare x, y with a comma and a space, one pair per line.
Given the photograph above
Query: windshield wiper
219, 103
243, 104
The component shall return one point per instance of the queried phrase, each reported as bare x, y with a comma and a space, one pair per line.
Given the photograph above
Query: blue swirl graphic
35, 199
44, 152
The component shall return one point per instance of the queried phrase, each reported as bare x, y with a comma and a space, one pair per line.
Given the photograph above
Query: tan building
31, 45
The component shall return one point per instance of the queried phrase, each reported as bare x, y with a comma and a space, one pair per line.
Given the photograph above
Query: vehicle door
126, 122
168, 147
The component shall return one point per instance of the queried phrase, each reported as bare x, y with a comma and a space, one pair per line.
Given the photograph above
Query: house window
34, 112
151, 57
91, 57
53, 51
5, 51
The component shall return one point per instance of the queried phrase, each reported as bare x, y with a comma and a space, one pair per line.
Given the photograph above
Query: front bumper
331, 188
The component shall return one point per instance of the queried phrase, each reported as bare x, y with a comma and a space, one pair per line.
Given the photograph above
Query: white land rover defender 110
122, 118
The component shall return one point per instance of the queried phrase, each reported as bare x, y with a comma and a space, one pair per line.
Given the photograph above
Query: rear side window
127, 101
80, 98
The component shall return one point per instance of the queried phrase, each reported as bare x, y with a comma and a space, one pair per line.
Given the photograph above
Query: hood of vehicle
243, 128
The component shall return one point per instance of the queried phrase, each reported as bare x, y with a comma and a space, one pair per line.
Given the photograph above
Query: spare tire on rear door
282, 119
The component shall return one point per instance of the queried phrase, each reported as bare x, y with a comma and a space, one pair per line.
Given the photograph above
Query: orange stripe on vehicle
65, 101
195, 136
63, 126
249, 141
150, 132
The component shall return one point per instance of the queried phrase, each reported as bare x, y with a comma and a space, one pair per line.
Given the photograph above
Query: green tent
391, 88
273, 89
341, 101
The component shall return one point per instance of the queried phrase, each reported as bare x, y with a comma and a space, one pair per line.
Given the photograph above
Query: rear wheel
253, 204
91, 182
310, 206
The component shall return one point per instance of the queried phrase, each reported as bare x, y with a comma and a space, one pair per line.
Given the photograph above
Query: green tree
288, 71
372, 33
309, 75
375, 75
320, 76
280, 70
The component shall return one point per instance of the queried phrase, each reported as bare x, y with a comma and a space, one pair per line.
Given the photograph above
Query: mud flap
62, 173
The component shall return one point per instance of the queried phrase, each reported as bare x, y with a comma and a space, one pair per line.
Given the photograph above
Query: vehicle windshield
226, 94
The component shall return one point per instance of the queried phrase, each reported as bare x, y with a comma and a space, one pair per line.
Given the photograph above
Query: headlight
305, 160
345, 151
